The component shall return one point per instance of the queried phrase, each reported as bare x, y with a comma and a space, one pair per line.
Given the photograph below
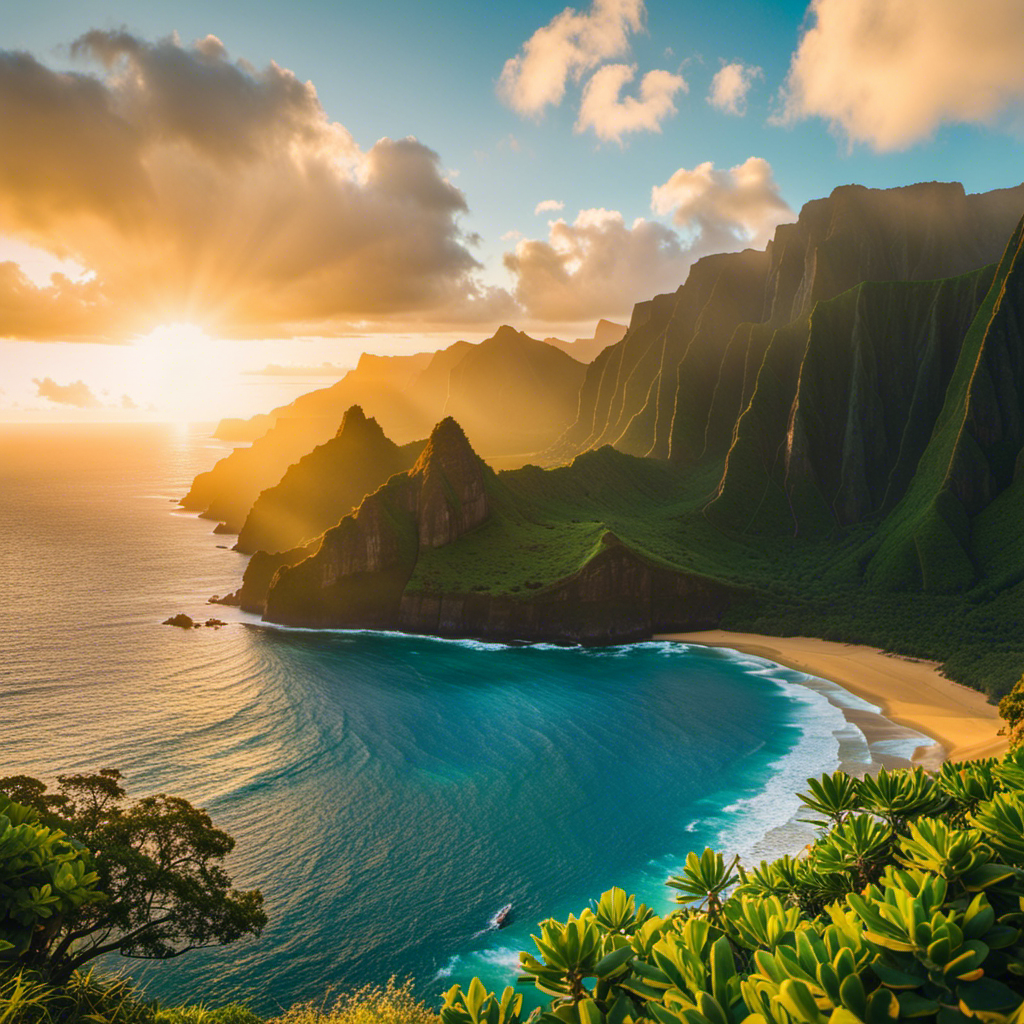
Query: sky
207, 208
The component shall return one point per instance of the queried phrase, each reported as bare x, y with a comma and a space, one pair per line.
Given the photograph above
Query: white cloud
569, 45
724, 209
599, 265
889, 72
596, 266
730, 86
549, 206
574, 44
611, 117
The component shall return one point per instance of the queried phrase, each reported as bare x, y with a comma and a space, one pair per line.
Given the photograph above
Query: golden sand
910, 692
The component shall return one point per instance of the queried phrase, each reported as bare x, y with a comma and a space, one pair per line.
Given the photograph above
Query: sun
179, 370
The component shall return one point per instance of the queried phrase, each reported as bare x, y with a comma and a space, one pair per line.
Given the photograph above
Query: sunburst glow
178, 370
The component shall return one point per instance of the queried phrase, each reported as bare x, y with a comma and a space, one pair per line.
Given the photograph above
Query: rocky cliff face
628, 395
843, 405
357, 575
448, 482
653, 392
938, 537
616, 597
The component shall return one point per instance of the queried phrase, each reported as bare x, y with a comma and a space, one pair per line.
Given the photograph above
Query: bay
387, 793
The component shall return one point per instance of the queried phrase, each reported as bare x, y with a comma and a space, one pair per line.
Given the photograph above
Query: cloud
890, 72
574, 44
599, 266
549, 206
723, 210
127, 402
200, 189
595, 266
611, 117
76, 393
64, 309
730, 86
569, 45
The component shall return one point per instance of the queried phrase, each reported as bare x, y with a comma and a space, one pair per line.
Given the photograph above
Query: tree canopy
141, 878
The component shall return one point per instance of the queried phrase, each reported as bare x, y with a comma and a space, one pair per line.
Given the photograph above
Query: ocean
388, 793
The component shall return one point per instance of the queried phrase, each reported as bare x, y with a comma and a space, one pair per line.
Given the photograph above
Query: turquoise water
388, 793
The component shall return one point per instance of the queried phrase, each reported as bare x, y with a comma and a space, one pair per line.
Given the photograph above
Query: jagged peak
355, 421
506, 333
447, 445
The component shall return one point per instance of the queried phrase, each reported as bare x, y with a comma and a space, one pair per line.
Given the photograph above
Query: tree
158, 862
1011, 709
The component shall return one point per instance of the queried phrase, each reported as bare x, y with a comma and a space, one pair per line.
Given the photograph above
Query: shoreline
911, 693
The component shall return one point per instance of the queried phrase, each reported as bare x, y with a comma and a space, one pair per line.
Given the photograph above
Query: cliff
357, 575
843, 405
969, 479
513, 394
378, 567
649, 394
325, 485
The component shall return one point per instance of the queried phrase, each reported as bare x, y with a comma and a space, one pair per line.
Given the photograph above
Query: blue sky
397, 68
401, 67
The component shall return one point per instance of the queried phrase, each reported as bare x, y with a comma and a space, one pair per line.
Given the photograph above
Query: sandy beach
910, 693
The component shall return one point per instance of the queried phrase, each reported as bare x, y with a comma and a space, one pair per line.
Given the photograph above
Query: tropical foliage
908, 905
143, 879
1011, 707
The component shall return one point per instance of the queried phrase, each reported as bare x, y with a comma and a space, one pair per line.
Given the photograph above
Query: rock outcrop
358, 573
325, 485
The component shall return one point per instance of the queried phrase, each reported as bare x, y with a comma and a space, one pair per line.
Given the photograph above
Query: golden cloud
199, 189
611, 115
569, 45
730, 86
599, 266
889, 72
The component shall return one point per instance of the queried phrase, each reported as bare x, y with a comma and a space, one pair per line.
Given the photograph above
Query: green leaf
613, 961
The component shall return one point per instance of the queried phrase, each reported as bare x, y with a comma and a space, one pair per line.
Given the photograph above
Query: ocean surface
387, 793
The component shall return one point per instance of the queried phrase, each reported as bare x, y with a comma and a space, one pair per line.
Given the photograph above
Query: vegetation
804, 525
1011, 709
142, 879
907, 906
92, 998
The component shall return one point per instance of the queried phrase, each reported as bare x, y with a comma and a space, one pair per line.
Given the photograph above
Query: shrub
908, 905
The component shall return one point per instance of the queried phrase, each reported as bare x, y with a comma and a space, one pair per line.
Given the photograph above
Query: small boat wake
500, 919
497, 922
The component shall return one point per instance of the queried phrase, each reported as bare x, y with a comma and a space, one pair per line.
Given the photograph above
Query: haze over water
388, 793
